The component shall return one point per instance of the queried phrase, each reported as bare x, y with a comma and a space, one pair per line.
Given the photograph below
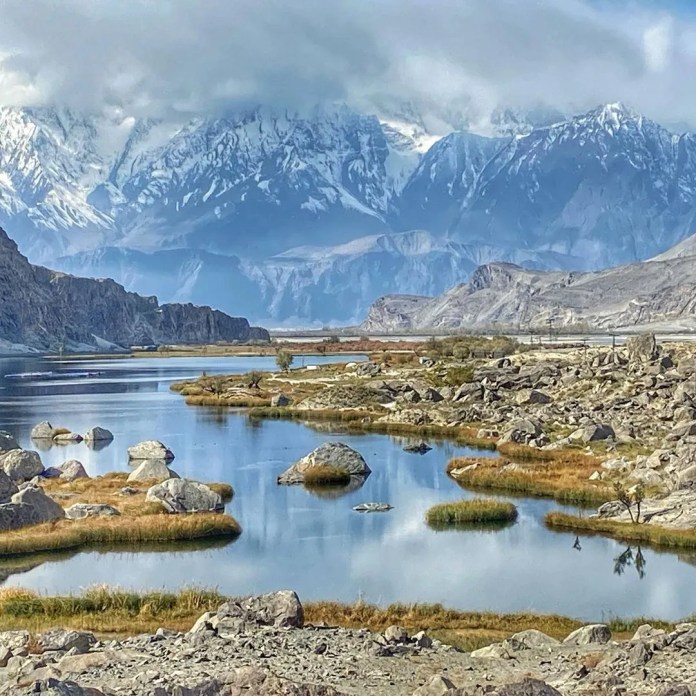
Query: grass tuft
468, 513
326, 475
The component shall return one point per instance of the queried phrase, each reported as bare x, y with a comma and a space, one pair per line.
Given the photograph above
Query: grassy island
470, 513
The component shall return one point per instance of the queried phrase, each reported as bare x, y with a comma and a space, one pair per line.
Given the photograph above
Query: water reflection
318, 545
628, 558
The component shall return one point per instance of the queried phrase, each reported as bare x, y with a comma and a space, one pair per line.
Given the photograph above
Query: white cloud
190, 57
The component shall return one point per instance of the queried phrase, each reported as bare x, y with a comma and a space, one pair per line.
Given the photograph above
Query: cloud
153, 58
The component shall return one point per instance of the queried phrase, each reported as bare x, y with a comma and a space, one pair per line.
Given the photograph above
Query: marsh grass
132, 530
113, 611
326, 475
470, 513
559, 474
61, 431
644, 534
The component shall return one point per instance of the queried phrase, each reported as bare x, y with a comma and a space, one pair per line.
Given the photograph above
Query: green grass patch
644, 534
470, 513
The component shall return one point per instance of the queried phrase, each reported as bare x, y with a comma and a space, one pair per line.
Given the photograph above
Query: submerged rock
373, 507
181, 495
333, 454
150, 449
418, 448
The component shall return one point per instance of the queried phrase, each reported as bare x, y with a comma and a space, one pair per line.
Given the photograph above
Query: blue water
318, 546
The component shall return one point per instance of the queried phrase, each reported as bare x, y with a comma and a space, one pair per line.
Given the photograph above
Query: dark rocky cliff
43, 309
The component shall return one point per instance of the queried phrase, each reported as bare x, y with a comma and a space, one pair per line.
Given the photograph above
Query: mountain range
308, 218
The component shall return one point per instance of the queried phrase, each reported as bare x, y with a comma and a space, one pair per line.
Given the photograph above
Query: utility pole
550, 321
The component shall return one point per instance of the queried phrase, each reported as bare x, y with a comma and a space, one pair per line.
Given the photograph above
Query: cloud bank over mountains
181, 58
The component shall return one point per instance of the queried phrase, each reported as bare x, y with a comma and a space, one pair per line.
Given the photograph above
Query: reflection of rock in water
689, 558
333, 492
97, 445
24, 564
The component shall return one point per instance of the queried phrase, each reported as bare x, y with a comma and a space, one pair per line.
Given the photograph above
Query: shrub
284, 360
326, 475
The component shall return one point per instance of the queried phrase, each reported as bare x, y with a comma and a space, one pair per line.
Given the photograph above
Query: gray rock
150, 449
280, 400
79, 511
675, 690
597, 431
7, 487
98, 434
21, 465
589, 635
432, 395
72, 470
528, 687
43, 431
15, 640
373, 507
61, 639
418, 448
67, 437
396, 634
535, 640
7, 442
152, 470
335, 454
532, 396
280, 609
181, 495
422, 640
643, 348
45, 508
436, 686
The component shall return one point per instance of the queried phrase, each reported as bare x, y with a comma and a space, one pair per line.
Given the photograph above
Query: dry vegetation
559, 474
110, 611
644, 534
326, 475
140, 522
470, 513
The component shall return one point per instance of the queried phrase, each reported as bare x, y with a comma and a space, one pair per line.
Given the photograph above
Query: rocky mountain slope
658, 293
245, 194
44, 310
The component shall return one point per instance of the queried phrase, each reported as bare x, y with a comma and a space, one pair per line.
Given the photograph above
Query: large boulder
643, 348
595, 432
528, 687
21, 465
333, 454
150, 449
98, 434
181, 495
279, 609
7, 442
7, 487
28, 507
71, 470
152, 470
65, 639
43, 431
522, 431
595, 634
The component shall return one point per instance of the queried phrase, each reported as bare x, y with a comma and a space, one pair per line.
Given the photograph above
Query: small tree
283, 360
253, 379
629, 500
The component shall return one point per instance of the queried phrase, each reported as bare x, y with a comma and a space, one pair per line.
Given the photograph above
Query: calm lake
317, 546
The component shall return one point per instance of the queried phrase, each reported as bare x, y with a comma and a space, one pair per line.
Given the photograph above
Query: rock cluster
262, 646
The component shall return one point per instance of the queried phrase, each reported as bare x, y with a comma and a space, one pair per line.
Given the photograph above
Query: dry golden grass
61, 431
561, 474
644, 534
468, 513
112, 611
326, 475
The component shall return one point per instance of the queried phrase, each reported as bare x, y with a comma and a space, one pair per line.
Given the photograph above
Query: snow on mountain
313, 215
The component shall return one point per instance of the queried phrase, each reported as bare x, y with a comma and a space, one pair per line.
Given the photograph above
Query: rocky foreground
261, 646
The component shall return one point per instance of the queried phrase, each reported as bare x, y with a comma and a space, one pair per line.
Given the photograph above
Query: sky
180, 57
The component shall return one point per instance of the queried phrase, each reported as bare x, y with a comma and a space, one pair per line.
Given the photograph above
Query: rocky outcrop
98, 434
181, 495
44, 310
29, 506
332, 454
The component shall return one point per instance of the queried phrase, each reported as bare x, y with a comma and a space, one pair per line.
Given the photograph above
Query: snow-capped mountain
309, 217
